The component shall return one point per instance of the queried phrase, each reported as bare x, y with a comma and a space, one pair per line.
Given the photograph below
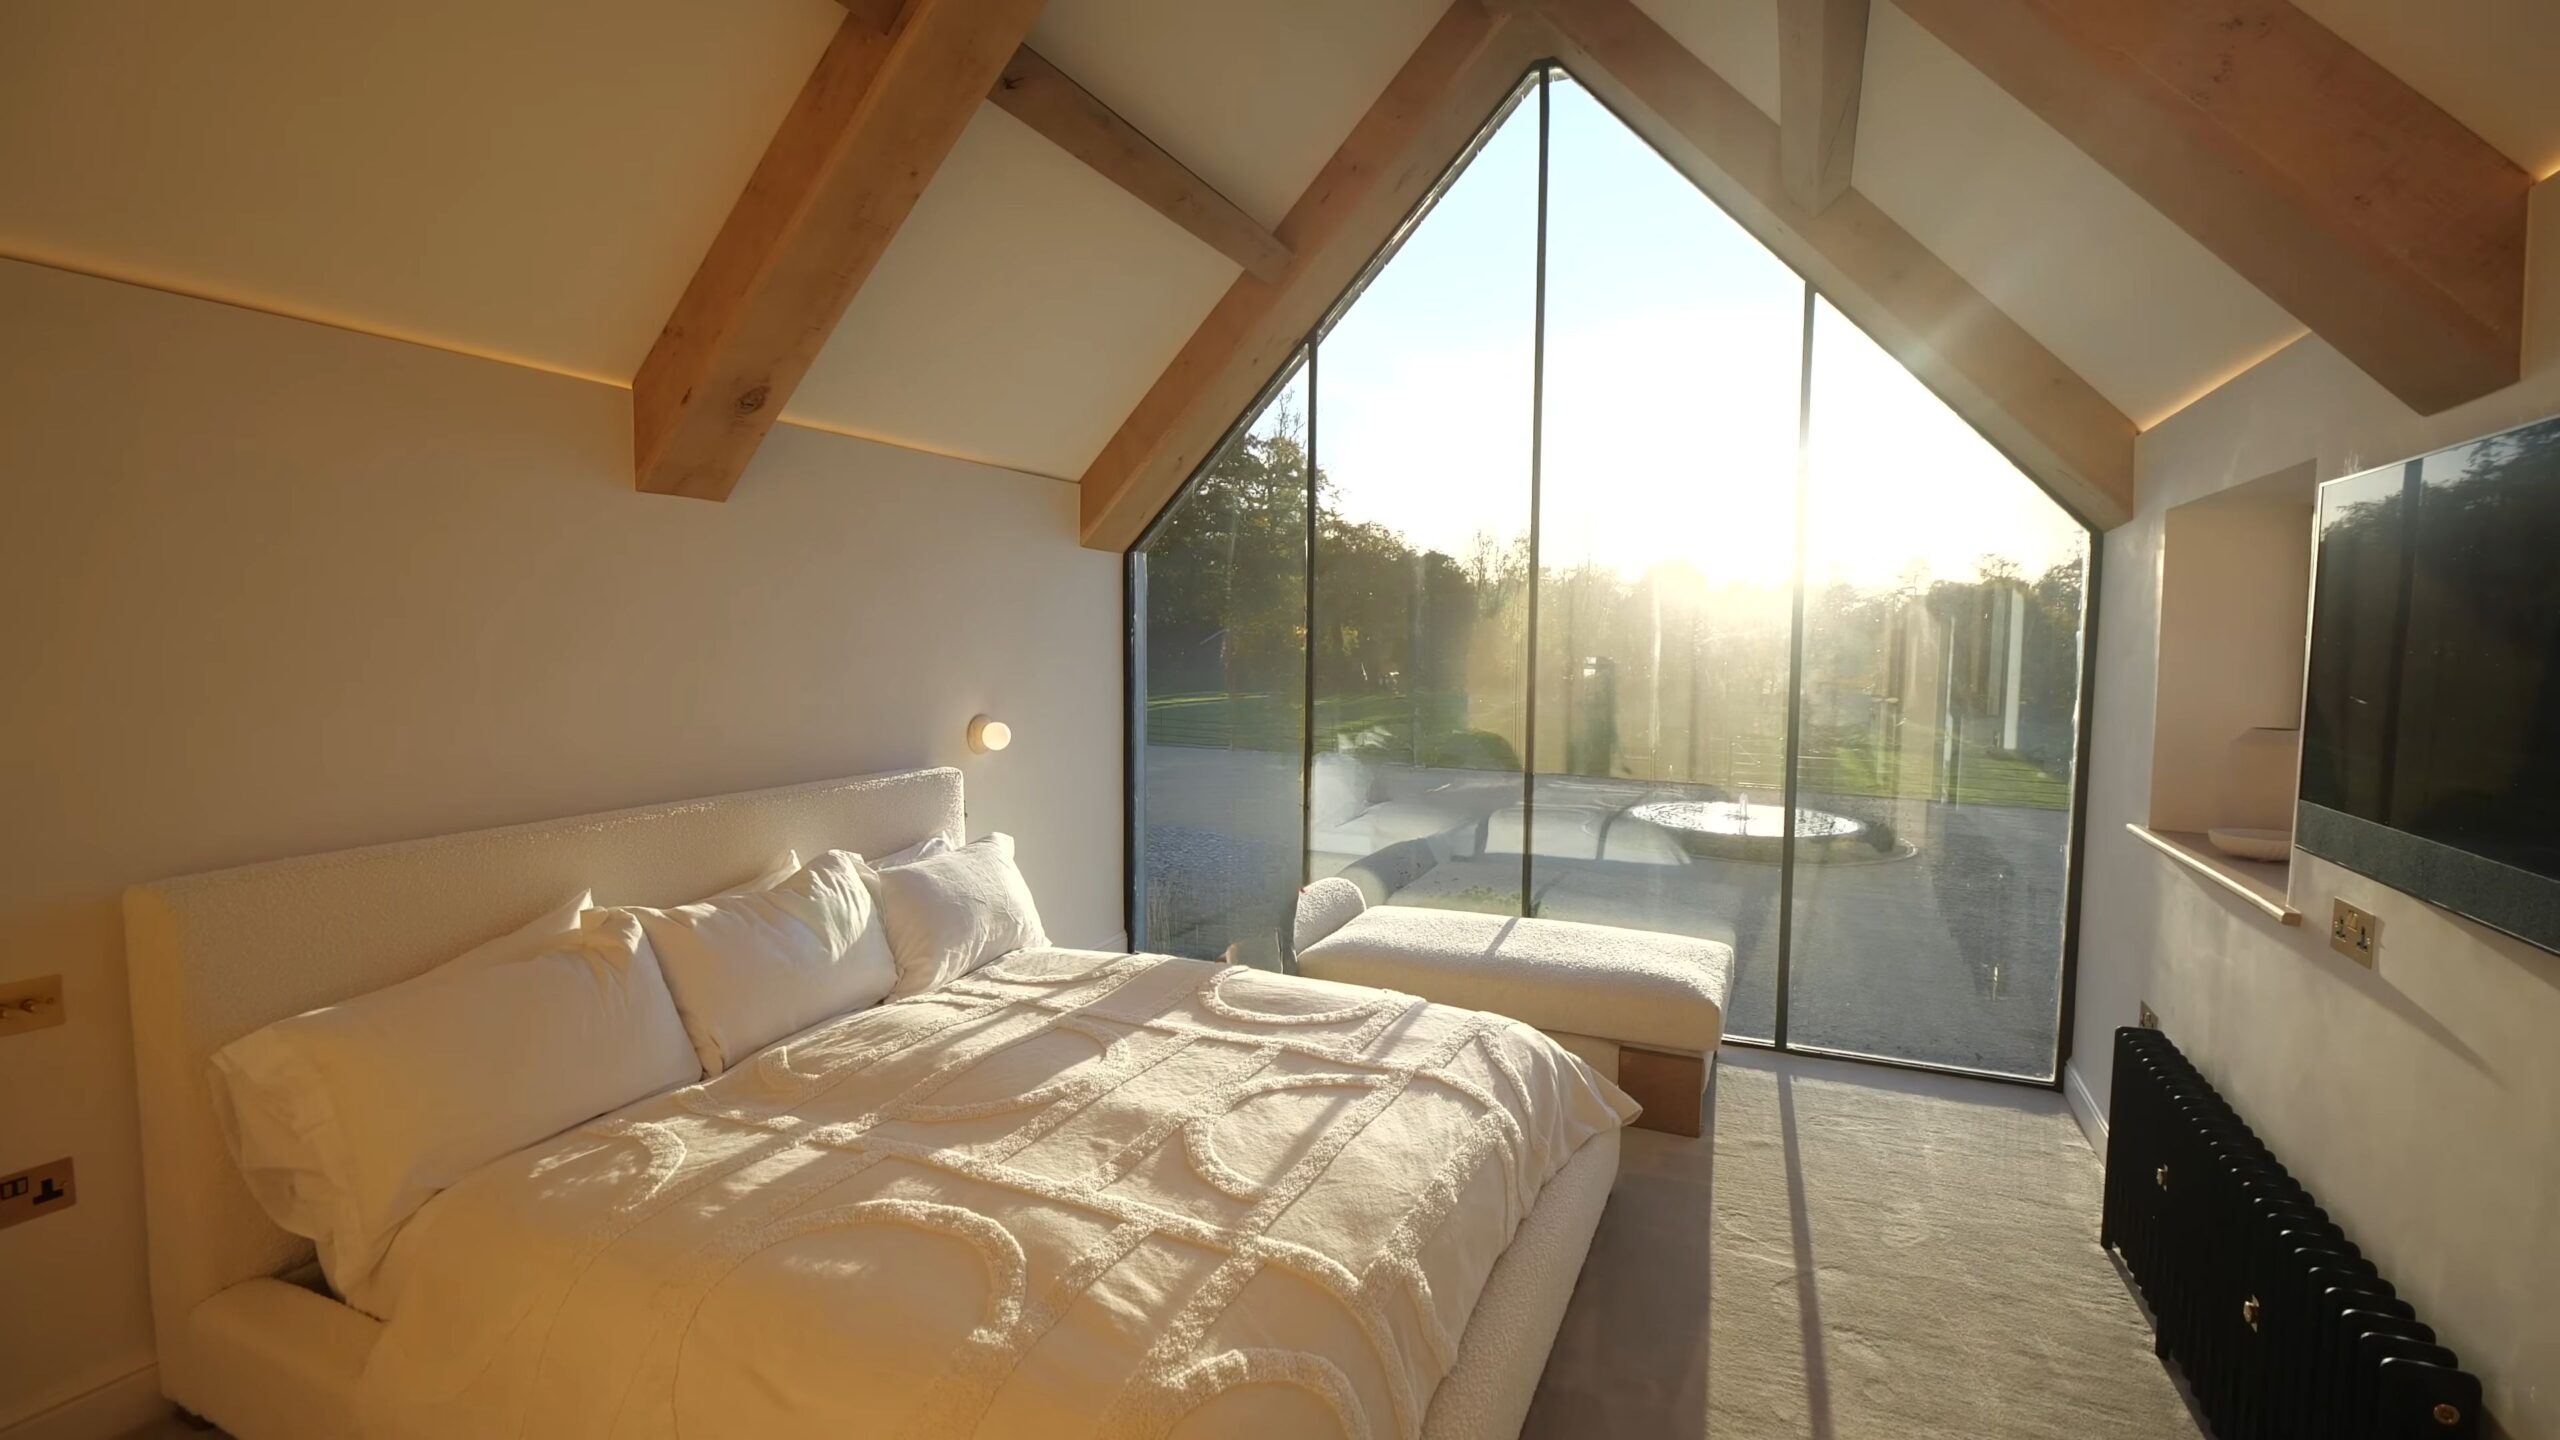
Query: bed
1080, 1172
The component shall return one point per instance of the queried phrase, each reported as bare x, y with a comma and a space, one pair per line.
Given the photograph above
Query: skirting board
118, 1407
2084, 1108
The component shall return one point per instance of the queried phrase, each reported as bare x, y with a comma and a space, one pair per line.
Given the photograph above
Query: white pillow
345, 1120
783, 869
536, 935
524, 942
750, 968
948, 914
924, 849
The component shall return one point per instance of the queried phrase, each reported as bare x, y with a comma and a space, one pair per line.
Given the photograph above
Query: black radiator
2280, 1326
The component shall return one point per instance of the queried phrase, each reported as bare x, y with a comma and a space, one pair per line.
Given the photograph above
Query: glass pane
1666, 555
1943, 606
1223, 590
1421, 569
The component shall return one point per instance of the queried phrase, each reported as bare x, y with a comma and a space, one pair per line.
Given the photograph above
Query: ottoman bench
1642, 1008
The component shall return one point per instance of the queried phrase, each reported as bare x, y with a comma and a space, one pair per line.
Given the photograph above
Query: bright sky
1672, 371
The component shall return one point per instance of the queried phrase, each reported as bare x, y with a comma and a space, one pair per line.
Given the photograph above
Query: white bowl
2244, 843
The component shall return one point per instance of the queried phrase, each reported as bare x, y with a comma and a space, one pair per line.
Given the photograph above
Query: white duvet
1072, 1194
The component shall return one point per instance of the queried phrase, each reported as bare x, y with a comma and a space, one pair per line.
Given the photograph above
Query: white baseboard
119, 1407
2084, 1108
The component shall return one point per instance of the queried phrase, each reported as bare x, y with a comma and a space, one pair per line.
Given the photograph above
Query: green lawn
1223, 722
1270, 722
1983, 777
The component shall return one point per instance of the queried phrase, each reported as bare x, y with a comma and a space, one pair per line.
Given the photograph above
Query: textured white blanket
1072, 1194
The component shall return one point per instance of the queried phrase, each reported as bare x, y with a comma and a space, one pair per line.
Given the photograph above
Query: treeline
1668, 676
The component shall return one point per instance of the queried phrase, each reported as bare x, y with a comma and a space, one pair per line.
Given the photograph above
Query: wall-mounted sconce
988, 735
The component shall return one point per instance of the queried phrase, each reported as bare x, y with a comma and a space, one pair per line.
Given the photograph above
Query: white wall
272, 588
2420, 1100
2235, 602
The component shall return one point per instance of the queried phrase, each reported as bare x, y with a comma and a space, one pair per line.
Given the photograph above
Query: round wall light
988, 735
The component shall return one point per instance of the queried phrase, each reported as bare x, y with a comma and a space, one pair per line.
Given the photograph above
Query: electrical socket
32, 1194
2150, 1017
2354, 933
33, 1004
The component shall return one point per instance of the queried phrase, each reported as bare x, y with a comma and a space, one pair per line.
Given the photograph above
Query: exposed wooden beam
2397, 235
875, 120
1462, 70
1034, 92
1048, 100
2054, 424
1822, 65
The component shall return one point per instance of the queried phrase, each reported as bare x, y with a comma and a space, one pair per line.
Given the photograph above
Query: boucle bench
1644, 1009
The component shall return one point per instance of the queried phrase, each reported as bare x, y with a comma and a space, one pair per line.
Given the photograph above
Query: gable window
1586, 563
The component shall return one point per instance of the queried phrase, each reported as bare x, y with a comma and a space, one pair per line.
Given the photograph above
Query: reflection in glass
1942, 633
1421, 555
1666, 554
1222, 580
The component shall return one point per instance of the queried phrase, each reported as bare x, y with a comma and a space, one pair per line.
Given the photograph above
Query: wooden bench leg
1671, 1088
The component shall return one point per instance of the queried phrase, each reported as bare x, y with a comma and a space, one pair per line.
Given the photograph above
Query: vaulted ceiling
538, 182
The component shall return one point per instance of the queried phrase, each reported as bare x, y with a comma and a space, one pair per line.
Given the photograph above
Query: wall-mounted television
2431, 711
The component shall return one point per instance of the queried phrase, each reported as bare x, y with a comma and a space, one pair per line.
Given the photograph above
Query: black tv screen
2431, 711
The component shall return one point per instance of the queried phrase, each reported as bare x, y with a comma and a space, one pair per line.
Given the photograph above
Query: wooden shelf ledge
2264, 884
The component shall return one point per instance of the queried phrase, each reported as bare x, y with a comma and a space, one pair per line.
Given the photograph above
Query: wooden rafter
2381, 223
876, 118
1034, 92
2054, 424
1462, 70
1069, 116
1822, 66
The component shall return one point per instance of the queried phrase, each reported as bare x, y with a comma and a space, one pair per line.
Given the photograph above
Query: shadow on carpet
1856, 1253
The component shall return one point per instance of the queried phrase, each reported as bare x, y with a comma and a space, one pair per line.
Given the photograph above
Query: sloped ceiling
2117, 292
534, 180
1023, 309
2114, 289
1253, 95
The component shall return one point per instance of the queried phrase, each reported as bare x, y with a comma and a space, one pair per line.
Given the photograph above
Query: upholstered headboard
215, 956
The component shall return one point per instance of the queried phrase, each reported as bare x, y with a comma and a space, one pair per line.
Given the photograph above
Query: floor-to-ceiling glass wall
1422, 534
1219, 612
1939, 733
1606, 542
1666, 555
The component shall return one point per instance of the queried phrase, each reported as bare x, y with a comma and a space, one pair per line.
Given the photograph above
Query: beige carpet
1856, 1254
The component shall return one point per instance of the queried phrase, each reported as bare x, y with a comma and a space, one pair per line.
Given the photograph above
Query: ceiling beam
884, 106
2381, 223
1034, 92
1822, 64
2005, 383
1462, 70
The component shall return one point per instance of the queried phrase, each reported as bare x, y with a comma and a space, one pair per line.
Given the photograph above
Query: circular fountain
1741, 830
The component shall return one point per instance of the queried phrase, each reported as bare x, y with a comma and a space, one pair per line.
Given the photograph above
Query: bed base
290, 1359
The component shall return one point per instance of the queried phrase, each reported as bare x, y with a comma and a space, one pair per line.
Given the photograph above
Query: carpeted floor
1856, 1253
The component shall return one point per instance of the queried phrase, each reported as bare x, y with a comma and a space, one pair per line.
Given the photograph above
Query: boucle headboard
214, 956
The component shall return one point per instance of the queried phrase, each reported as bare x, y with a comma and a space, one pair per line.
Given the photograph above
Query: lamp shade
987, 735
